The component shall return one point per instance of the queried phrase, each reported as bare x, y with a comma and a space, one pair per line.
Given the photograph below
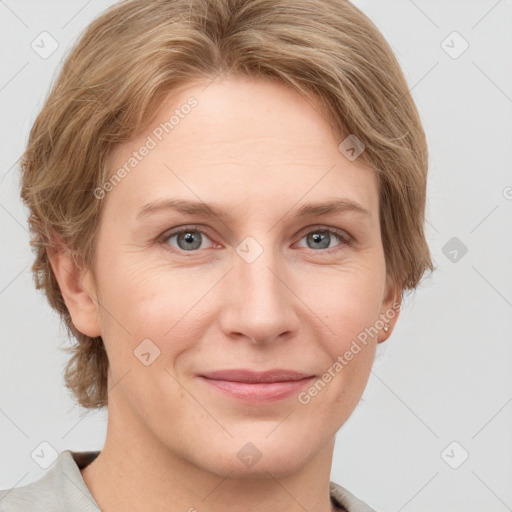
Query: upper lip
242, 375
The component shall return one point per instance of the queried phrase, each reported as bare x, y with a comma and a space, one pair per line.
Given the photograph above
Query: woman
227, 204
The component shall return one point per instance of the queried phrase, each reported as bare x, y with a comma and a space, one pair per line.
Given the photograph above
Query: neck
134, 471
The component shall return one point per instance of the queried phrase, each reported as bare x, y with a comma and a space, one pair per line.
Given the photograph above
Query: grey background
443, 376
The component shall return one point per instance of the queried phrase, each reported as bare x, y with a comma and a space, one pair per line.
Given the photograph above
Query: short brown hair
138, 52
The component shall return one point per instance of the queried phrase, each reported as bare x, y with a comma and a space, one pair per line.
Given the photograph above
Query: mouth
253, 386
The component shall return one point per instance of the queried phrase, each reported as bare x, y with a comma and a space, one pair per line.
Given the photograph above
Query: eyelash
342, 236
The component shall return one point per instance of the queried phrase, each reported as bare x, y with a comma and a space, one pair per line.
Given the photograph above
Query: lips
256, 386
250, 376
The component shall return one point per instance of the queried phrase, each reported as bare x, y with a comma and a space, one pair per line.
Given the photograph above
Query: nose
260, 305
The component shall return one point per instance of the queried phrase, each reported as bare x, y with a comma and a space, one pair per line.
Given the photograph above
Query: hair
137, 53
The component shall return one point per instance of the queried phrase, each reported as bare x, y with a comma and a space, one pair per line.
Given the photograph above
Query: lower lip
262, 391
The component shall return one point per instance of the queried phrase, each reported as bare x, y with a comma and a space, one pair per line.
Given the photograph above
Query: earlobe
78, 290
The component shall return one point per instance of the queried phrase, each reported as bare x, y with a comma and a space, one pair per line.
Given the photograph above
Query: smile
253, 386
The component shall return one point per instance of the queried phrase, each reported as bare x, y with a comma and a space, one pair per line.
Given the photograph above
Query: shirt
62, 489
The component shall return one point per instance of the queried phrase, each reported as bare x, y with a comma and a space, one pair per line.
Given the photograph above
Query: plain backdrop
433, 428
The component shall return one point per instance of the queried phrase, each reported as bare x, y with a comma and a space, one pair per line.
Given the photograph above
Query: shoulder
343, 498
61, 488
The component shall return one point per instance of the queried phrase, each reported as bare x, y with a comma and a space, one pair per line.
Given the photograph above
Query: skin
260, 150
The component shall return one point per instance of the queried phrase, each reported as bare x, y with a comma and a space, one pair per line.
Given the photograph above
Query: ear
78, 290
390, 308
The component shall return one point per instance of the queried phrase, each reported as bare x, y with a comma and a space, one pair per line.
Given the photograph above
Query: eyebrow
212, 210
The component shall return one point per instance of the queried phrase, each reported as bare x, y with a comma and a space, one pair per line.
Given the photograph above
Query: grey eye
319, 239
187, 239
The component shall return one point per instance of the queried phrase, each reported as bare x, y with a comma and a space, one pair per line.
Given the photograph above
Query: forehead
243, 140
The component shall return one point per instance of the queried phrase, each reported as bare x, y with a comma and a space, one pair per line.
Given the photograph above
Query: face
259, 281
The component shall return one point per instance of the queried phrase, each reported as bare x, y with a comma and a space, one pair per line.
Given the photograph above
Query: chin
267, 467
280, 456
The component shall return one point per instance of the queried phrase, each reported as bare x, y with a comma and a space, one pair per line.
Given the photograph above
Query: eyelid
342, 234
344, 237
164, 237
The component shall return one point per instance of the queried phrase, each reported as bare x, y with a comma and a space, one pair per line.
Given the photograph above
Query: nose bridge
256, 267
261, 305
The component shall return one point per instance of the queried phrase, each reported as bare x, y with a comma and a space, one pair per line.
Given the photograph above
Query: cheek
349, 310
346, 298
148, 297
152, 301
140, 289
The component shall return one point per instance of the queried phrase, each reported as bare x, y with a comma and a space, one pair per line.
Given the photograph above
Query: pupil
191, 240
321, 240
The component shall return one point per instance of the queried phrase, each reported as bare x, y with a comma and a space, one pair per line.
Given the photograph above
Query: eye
188, 238
192, 239
322, 238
